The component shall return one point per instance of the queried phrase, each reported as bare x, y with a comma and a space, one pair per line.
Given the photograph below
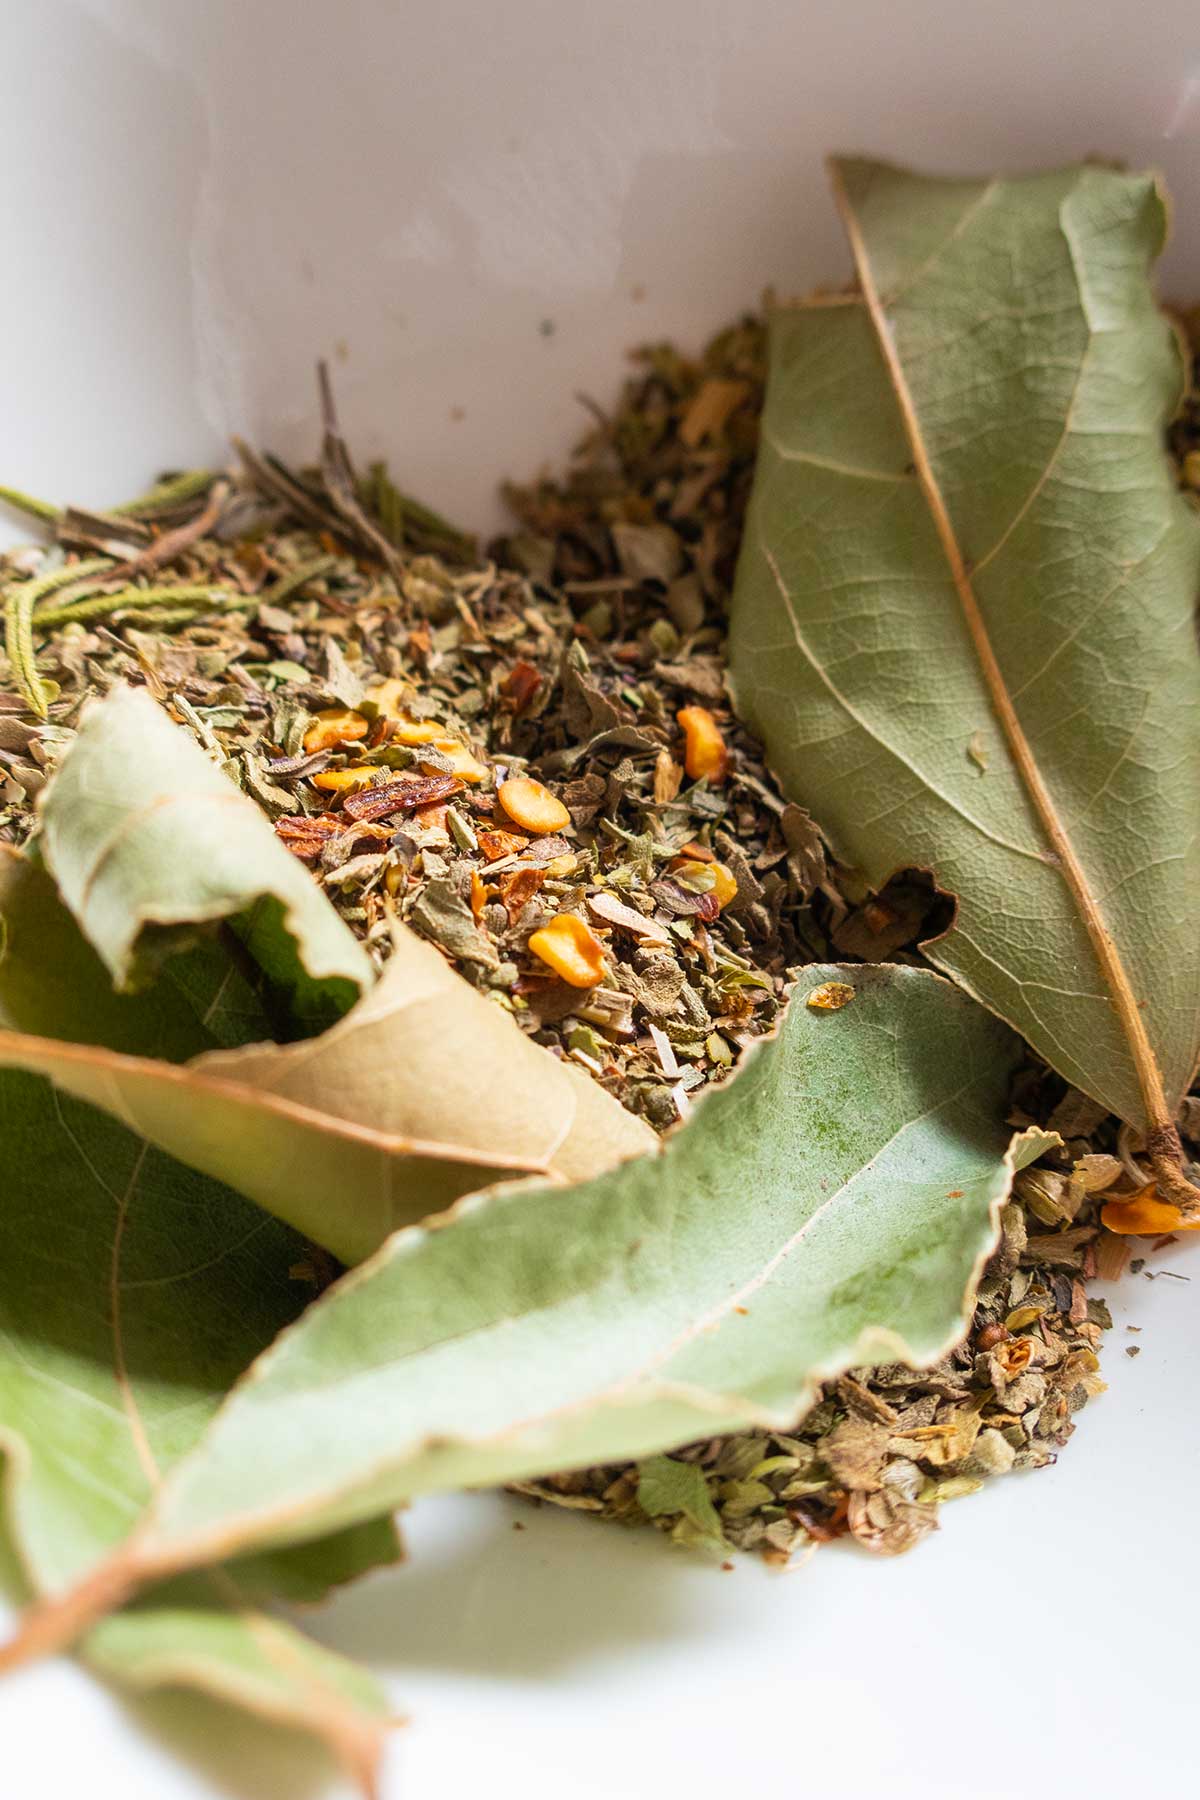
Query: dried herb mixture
529, 755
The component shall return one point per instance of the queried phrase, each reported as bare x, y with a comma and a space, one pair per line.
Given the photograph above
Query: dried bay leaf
831, 1205
133, 1292
148, 841
194, 1633
964, 522
53, 984
422, 1093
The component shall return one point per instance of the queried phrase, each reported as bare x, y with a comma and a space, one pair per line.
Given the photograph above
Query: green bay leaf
149, 843
963, 620
133, 1293
424, 1092
832, 1205
53, 984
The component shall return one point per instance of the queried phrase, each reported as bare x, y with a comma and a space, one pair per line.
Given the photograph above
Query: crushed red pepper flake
405, 795
521, 685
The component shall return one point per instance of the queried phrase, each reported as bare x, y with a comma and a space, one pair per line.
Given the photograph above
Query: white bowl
474, 210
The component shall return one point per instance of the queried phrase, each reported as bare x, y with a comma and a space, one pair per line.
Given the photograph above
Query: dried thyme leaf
678, 1492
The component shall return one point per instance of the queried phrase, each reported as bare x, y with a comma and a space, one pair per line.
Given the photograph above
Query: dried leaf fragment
710, 411
668, 774
520, 686
612, 911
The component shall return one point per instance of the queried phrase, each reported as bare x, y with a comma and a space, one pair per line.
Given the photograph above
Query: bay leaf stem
54, 1624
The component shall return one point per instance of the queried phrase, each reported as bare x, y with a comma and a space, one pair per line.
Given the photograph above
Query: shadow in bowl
481, 1597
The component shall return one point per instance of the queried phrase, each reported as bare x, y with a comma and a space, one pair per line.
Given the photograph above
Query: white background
202, 197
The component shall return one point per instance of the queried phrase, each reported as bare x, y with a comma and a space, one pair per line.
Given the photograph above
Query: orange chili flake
336, 725
704, 747
1014, 1355
571, 949
478, 895
463, 764
518, 887
306, 837
1145, 1215
433, 814
724, 888
414, 732
711, 878
831, 996
404, 795
344, 781
520, 685
833, 1525
386, 697
495, 844
531, 806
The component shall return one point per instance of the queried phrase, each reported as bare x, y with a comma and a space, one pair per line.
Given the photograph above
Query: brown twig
172, 544
341, 483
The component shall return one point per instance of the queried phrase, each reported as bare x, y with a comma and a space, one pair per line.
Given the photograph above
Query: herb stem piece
171, 544
295, 579
18, 643
31, 505
176, 490
182, 599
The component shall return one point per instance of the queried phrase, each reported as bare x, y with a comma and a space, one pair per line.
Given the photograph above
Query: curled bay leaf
830, 1206
149, 842
53, 984
425, 1091
963, 619
133, 1292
